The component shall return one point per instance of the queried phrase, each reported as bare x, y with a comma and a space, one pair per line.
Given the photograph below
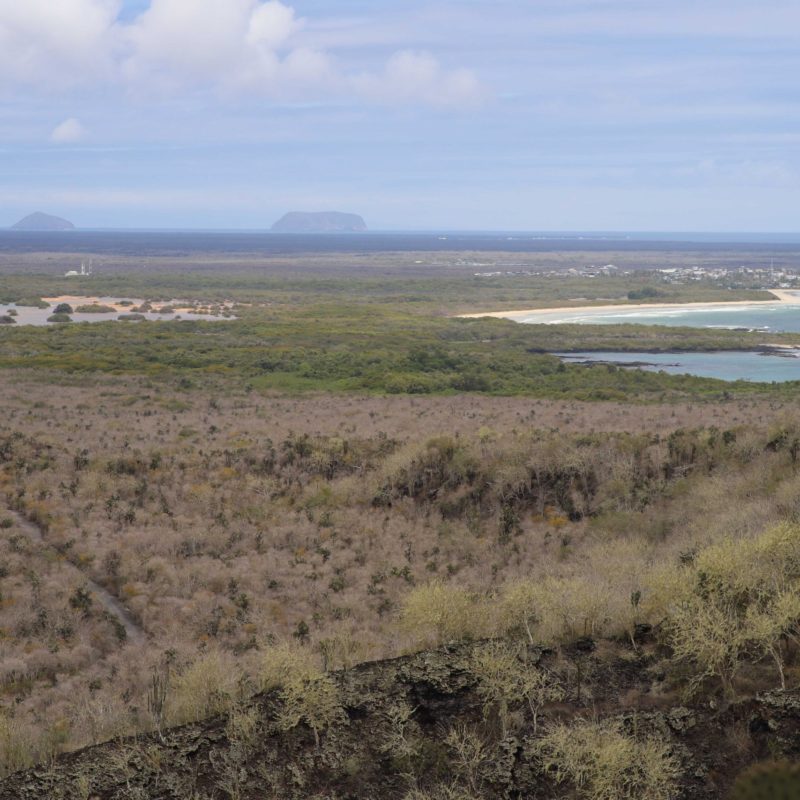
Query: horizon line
543, 233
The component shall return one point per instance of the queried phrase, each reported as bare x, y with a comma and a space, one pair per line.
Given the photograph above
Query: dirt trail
133, 630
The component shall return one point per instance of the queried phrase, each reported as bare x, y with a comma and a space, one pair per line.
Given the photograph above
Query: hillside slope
421, 727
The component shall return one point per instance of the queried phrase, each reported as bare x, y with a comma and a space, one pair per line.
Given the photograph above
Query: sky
568, 115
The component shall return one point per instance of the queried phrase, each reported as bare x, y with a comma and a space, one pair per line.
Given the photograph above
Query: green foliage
32, 302
776, 780
81, 600
365, 339
93, 308
645, 293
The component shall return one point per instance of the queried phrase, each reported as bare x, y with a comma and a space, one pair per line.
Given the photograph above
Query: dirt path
133, 631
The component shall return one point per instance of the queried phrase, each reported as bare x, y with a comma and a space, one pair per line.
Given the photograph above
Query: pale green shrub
443, 792
604, 763
735, 599
469, 753
440, 612
207, 687
506, 680
314, 701
517, 608
284, 662
18, 745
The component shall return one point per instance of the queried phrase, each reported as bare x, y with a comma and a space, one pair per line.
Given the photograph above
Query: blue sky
479, 114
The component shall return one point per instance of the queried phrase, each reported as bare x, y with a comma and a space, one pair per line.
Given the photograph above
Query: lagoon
729, 365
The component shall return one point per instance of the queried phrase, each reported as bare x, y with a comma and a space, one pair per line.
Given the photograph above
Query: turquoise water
727, 366
772, 317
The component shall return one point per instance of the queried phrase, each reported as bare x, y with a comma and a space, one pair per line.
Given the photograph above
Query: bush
207, 687
558, 609
443, 792
506, 680
604, 763
95, 308
18, 746
517, 608
647, 293
439, 613
283, 662
736, 599
32, 302
308, 695
708, 634
314, 701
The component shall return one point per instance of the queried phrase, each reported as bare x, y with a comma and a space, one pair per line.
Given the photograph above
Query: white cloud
69, 131
235, 46
224, 46
412, 77
271, 25
53, 44
205, 40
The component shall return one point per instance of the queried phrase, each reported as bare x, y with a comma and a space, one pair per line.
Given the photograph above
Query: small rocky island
319, 222
43, 222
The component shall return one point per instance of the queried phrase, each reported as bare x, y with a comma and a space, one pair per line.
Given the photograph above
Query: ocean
175, 243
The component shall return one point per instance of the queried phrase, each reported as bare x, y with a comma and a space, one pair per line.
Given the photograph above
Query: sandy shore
178, 306
87, 300
790, 298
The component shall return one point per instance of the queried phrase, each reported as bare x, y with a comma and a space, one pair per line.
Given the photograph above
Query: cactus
771, 780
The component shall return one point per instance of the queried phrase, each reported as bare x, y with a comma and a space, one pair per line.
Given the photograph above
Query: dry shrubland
260, 540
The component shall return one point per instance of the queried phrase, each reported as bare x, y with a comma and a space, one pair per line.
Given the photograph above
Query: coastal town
751, 277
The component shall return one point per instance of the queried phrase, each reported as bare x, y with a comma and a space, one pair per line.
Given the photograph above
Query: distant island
319, 222
43, 222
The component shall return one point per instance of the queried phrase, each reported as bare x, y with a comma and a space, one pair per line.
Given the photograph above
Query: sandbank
177, 306
789, 298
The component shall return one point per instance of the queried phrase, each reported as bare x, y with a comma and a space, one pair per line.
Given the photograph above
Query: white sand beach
781, 296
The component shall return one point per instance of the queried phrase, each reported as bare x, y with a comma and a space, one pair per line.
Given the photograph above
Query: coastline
781, 296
